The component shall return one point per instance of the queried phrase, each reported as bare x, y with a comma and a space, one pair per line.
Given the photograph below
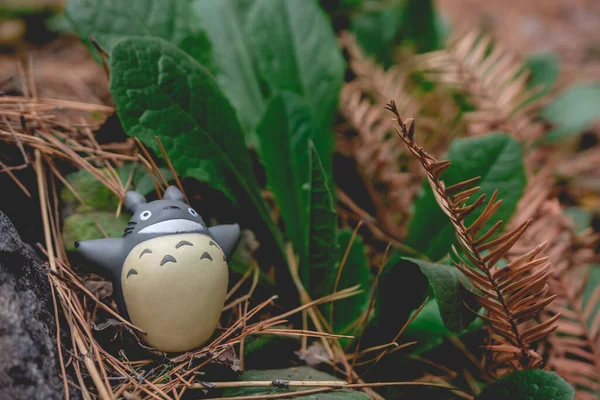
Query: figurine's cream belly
178, 303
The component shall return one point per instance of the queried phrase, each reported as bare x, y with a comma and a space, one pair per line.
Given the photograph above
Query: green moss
82, 227
96, 195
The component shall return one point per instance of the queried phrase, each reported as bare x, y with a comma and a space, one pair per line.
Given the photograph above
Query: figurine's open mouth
173, 226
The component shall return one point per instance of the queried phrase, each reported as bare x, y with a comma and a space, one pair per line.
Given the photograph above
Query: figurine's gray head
169, 215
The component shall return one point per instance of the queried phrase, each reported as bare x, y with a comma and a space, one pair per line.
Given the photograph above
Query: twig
103, 55
58, 342
170, 165
371, 304
341, 267
6, 169
19, 144
151, 161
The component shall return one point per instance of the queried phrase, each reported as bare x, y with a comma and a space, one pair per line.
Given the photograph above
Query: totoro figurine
169, 270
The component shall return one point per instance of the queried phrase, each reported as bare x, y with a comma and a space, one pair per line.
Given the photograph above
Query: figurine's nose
171, 207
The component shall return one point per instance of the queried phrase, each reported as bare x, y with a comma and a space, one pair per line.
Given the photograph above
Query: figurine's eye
145, 215
193, 212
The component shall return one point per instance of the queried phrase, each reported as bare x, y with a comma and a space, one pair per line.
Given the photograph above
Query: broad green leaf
13, 9
351, 3
295, 49
294, 177
322, 237
573, 111
285, 130
161, 91
421, 25
527, 385
429, 331
544, 69
449, 292
224, 21
109, 21
380, 29
355, 271
428, 327
292, 374
496, 158
402, 287
581, 218
377, 32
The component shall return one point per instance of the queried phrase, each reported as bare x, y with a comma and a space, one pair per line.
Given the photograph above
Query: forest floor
568, 28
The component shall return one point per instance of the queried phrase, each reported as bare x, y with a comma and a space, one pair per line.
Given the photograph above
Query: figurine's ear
227, 236
133, 200
172, 193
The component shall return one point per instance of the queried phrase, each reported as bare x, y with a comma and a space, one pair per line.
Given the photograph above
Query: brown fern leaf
512, 295
378, 160
494, 80
383, 164
377, 82
575, 345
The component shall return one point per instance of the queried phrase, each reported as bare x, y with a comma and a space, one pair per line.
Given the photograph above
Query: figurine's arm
105, 253
227, 236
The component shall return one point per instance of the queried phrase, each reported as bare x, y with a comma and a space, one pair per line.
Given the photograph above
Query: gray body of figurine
169, 270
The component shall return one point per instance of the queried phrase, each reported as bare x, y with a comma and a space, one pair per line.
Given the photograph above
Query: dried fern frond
383, 164
493, 79
378, 160
511, 296
575, 345
377, 82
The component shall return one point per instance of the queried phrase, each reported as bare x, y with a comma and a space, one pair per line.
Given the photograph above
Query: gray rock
29, 366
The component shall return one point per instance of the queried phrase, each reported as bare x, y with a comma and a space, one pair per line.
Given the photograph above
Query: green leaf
109, 21
428, 327
498, 160
285, 130
380, 29
292, 374
450, 294
224, 21
142, 181
527, 385
377, 32
573, 111
429, 331
581, 218
322, 259
82, 226
544, 68
161, 91
421, 25
402, 287
96, 195
296, 50
356, 271
100, 208
297, 179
